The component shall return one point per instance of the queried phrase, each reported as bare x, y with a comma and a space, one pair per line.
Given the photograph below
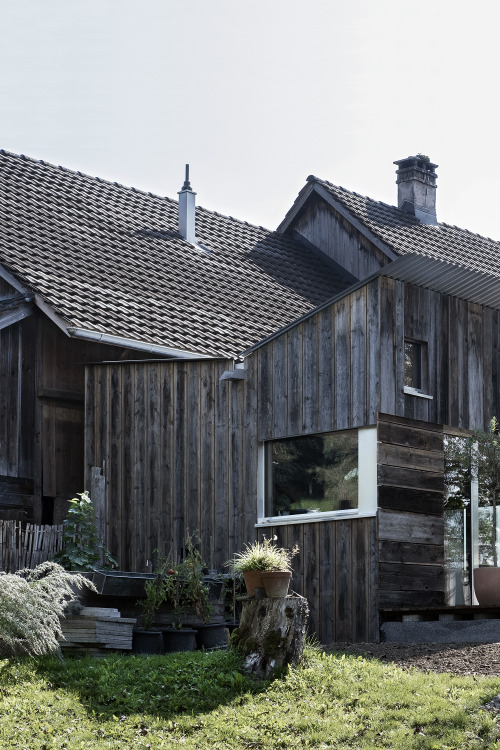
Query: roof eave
126, 343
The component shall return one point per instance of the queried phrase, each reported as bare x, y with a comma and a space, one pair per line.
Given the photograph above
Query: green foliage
31, 603
475, 457
181, 585
82, 549
204, 700
263, 555
155, 596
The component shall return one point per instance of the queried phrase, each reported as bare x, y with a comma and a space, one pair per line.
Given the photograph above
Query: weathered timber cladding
171, 468
410, 519
42, 415
188, 443
463, 364
330, 232
323, 374
339, 367
336, 571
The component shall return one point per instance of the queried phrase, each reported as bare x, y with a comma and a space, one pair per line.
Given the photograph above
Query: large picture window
312, 474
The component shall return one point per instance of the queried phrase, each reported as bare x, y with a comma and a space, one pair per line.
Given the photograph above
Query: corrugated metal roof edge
418, 269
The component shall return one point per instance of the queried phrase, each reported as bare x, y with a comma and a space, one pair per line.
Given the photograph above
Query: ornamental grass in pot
260, 558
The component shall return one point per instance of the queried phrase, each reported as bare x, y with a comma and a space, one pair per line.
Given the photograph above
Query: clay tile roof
109, 259
405, 234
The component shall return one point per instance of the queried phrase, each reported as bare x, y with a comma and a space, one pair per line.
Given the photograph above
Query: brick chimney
416, 181
187, 217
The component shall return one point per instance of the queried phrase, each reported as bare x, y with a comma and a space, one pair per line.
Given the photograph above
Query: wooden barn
217, 377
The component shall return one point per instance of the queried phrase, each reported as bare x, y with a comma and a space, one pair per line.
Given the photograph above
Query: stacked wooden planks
26, 546
410, 518
96, 631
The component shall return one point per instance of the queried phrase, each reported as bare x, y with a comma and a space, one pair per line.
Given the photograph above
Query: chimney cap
187, 184
420, 161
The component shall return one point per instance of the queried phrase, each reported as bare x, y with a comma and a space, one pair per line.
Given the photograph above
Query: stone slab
458, 631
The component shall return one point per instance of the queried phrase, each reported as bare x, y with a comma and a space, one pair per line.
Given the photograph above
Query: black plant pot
212, 635
147, 642
179, 640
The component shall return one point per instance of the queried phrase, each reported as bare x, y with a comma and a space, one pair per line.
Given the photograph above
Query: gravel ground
471, 659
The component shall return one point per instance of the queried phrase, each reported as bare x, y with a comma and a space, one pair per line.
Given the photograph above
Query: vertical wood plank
251, 449
128, 529
487, 361
358, 359
180, 468
193, 448
342, 365
475, 411
294, 373
388, 367
310, 538
326, 582
343, 606
326, 371
222, 449
115, 475
310, 376
207, 463
265, 403
167, 453
373, 352
153, 478
280, 383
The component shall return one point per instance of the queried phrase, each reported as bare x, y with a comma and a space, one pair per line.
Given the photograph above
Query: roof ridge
468, 231
78, 173
131, 188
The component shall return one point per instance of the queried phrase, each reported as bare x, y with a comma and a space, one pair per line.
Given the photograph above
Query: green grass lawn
204, 700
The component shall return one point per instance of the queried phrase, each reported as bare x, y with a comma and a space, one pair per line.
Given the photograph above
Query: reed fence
27, 545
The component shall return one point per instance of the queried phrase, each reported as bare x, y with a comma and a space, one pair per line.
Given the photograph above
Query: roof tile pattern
109, 259
406, 234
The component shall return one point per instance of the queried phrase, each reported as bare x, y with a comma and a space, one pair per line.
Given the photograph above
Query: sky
258, 95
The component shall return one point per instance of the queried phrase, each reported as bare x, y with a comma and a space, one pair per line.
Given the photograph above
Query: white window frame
367, 487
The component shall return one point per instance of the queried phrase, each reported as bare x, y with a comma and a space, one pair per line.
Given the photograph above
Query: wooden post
98, 496
272, 632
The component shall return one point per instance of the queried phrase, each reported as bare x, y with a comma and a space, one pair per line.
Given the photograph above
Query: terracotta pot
487, 586
253, 578
276, 582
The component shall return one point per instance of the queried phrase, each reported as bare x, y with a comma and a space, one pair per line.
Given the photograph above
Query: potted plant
196, 594
146, 638
258, 560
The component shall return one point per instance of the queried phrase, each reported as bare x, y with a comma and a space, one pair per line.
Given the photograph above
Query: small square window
413, 365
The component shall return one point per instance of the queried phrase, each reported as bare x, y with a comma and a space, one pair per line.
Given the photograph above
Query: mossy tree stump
272, 632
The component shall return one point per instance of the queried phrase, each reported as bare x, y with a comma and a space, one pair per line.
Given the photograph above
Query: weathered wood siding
42, 379
179, 456
179, 448
410, 518
336, 571
324, 373
327, 230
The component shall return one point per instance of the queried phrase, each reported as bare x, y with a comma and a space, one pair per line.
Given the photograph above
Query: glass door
470, 537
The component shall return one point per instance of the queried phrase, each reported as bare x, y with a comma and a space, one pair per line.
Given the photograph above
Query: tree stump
272, 632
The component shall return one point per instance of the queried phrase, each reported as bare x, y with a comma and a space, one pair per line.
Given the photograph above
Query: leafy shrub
82, 549
31, 603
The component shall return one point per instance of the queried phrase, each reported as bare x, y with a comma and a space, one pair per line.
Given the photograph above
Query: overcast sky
258, 95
